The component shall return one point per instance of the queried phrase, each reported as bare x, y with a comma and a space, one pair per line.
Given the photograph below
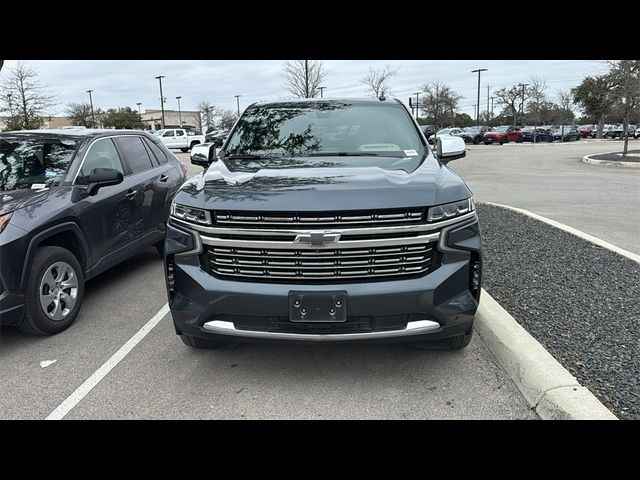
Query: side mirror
103, 177
450, 148
203, 154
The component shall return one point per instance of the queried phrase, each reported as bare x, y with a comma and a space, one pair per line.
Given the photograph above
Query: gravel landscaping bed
579, 300
634, 156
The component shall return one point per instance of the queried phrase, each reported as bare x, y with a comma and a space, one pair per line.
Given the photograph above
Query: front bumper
431, 307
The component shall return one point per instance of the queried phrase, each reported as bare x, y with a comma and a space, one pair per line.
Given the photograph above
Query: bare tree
80, 114
208, 112
304, 77
25, 98
625, 77
511, 99
227, 118
377, 81
439, 102
537, 98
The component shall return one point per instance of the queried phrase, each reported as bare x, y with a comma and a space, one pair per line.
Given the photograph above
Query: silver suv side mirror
203, 154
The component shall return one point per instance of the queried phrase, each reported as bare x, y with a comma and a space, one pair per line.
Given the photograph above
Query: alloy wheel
58, 290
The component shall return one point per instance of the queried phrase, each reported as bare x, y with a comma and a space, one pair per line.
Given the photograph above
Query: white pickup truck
179, 138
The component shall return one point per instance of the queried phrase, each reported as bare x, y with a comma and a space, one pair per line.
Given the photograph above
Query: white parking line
72, 400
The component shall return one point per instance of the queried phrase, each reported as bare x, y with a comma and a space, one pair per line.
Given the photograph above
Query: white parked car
179, 138
452, 132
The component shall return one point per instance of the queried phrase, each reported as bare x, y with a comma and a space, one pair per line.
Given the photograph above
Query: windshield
444, 131
500, 129
158, 133
34, 162
325, 129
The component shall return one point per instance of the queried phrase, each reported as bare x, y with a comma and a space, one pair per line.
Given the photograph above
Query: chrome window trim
73, 183
416, 327
342, 231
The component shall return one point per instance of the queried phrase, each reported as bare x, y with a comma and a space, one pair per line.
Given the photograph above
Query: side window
161, 157
134, 153
169, 133
102, 154
179, 133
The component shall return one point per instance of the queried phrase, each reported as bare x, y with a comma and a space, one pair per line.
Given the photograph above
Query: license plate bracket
318, 306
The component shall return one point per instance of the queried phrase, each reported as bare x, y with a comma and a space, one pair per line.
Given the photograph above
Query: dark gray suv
324, 221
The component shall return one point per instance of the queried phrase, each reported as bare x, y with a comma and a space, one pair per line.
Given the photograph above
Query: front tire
201, 343
55, 290
184, 150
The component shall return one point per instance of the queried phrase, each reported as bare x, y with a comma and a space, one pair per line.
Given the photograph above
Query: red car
504, 134
587, 132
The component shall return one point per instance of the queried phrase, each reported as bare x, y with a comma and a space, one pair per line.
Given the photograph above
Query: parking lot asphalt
162, 378
551, 180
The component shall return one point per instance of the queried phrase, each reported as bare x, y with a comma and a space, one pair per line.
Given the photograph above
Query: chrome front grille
330, 264
320, 219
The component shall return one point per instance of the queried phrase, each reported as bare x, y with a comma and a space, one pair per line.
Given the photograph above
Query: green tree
123, 117
25, 98
625, 79
594, 96
512, 101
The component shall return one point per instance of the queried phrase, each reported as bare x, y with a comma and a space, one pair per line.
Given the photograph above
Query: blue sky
126, 82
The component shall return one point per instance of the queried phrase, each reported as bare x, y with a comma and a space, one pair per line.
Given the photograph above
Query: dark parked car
566, 134
502, 134
541, 135
474, 134
336, 223
428, 130
217, 137
73, 203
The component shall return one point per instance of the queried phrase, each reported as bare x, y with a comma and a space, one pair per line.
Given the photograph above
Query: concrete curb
593, 161
568, 229
546, 385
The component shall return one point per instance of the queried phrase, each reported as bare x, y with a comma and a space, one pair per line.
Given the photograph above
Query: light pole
139, 103
478, 104
159, 78
321, 91
523, 85
417, 109
487, 103
492, 107
9, 95
238, 102
93, 118
179, 111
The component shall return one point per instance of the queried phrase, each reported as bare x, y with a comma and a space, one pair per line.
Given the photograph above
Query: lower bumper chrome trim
413, 328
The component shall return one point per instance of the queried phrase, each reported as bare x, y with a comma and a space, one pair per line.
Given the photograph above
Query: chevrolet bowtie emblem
317, 239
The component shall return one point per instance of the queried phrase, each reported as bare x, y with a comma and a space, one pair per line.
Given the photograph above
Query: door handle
164, 178
130, 194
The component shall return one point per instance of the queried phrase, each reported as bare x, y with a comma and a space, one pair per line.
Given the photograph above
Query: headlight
450, 210
190, 214
4, 220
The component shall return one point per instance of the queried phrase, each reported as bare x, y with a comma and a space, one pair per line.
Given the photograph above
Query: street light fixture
238, 102
478, 104
159, 78
179, 111
93, 118
139, 103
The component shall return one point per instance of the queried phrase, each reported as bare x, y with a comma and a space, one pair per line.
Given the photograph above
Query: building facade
152, 119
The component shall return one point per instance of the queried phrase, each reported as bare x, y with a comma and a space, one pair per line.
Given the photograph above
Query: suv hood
16, 199
323, 188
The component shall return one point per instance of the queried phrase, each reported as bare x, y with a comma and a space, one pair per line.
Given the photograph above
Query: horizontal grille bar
321, 219
320, 265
